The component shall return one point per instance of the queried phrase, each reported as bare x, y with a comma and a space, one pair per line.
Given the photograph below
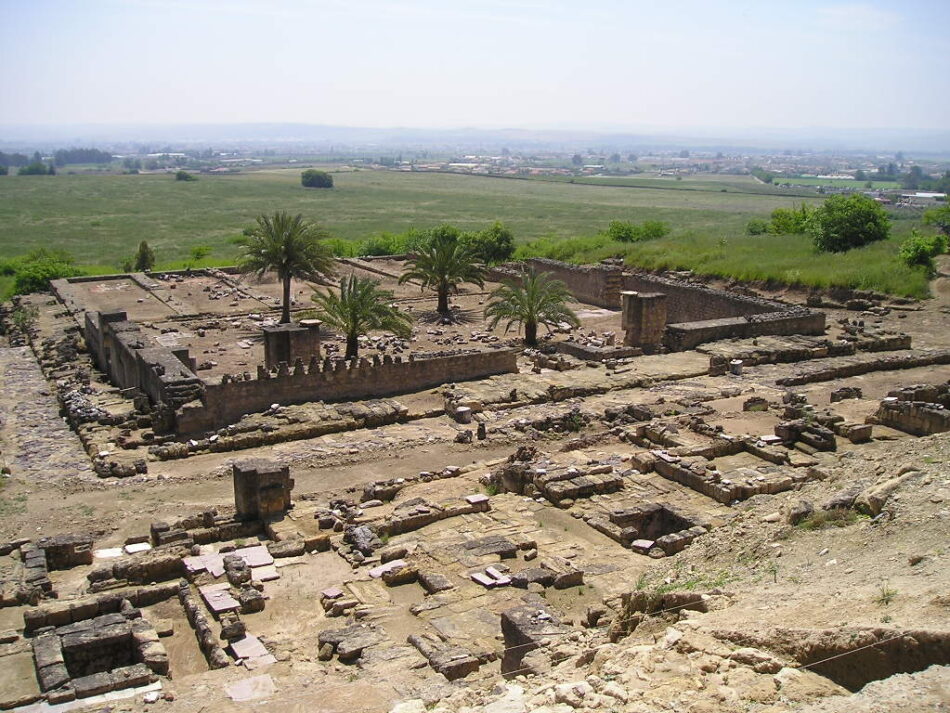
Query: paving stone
248, 648
251, 689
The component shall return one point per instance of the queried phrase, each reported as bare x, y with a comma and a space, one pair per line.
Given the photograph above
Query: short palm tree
360, 307
539, 299
289, 246
442, 264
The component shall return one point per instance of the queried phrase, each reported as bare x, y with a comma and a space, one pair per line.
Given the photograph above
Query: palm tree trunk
531, 333
443, 307
285, 314
352, 345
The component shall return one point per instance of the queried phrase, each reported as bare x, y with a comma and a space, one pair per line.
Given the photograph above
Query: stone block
93, 685
131, 676
52, 677
262, 489
434, 582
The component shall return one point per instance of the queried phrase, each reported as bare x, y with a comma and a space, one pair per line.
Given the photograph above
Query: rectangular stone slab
377, 572
219, 599
249, 647
482, 579
265, 574
251, 689
137, 547
256, 556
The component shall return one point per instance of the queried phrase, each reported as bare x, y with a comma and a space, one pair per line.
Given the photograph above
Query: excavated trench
852, 658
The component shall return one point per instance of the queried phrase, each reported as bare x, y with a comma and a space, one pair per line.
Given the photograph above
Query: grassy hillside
101, 218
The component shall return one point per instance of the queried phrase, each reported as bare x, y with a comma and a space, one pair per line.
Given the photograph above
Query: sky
543, 64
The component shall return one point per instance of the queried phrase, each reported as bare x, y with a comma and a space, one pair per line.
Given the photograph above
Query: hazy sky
616, 64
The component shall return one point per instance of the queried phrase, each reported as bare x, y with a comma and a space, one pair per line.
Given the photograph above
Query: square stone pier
644, 319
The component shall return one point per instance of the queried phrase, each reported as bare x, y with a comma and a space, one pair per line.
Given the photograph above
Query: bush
343, 248
185, 176
790, 221
845, 222
626, 232
939, 217
757, 226
493, 245
144, 258
312, 178
384, 244
4, 170
920, 250
34, 272
623, 231
37, 168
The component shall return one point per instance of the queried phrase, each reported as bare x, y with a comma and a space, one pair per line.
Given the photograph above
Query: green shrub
920, 250
790, 221
312, 178
756, 226
627, 232
37, 168
845, 222
144, 258
34, 272
653, 230
185, 176
493, 245
343, 248
383, 244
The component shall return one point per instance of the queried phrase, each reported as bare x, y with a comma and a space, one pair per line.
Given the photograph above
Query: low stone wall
228, 401
689, 302
688, 335
857, 365
919, 418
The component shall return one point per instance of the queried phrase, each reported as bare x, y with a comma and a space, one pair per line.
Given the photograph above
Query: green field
701, 182
101, 218
838, 183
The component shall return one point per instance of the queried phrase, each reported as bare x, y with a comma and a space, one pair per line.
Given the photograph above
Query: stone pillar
289, 342
261, 489
644, 319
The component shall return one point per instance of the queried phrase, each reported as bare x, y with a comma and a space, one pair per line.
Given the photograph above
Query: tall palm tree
360, 307
289, 246
442, 264
539, 299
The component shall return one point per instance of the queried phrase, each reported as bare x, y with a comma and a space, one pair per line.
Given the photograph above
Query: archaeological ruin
652, 508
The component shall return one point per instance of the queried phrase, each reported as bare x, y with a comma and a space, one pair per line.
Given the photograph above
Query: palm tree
539, 299
442, 264
360, 307
289, 246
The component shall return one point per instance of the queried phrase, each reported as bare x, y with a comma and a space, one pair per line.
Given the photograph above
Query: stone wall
124, 352
694, 313
598, 285
797, 320
689, 302
228, 401
920, 418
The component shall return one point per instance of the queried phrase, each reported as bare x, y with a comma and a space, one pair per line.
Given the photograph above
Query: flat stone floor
37, 443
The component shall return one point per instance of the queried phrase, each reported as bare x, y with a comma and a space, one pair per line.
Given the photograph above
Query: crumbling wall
795, 320
228, 401
694, 313
121, 350
688, 302
920, 418
594, 284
